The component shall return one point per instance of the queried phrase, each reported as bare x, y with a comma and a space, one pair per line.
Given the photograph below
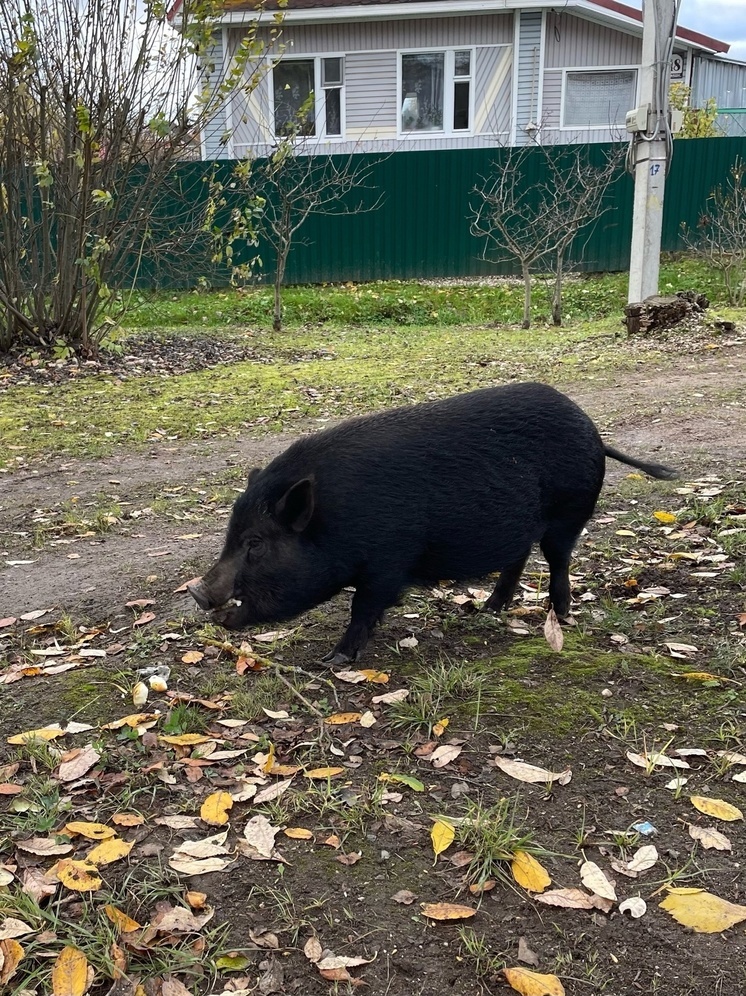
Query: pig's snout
200, 596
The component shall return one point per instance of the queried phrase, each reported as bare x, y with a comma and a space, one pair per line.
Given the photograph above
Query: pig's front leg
368, 606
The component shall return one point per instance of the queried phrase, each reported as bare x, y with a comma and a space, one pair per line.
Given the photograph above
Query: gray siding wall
574, 41
528, 77
725, 81
215, 132
371, 100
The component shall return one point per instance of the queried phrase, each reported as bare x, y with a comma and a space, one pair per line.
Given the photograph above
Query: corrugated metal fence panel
421, 229
699, 165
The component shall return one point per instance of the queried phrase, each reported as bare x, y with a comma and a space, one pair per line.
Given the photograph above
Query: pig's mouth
233, 613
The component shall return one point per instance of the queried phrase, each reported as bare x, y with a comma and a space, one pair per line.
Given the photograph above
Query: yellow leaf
440, 727
532, 984
666, 517
446, 911
698, 676
92, 831
46, 733
702, 911
323, 772
192, 657
11, 954
134, 719
342, 718
442, 835
70, 973
113, 849
120, 920
80, 876
186, 739
298, 833
377, 677
195, 899
269, 762
215, 808
529, 873
716, 808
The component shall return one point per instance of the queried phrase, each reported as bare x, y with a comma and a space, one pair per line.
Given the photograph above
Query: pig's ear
253, 474
295, 509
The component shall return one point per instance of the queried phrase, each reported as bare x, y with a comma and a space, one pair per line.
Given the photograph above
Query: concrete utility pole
651, 145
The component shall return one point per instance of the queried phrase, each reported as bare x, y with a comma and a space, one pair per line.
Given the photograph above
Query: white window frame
449, 80
319, 94
609, 126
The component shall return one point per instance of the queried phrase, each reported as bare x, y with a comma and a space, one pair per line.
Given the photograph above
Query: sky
721, 19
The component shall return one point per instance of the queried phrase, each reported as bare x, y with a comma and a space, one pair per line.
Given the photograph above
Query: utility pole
651, 145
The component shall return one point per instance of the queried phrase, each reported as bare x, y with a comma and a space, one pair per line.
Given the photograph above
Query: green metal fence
421, 229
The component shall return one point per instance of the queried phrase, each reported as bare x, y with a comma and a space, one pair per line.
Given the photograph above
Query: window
436, 91
308, 96
598, 99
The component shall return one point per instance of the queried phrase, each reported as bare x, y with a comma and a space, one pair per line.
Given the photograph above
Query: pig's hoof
335, 659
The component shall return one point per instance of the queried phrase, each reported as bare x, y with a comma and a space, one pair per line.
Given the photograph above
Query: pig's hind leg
557, 545
368, 606
505, 588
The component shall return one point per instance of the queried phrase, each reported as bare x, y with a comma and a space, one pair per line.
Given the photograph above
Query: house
395, 75
724, 81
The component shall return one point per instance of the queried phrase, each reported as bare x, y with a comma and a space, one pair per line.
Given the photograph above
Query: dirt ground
641, 583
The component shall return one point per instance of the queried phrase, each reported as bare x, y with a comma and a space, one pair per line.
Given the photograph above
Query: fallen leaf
11, 927
342, 718
571, 899
45, 733
709, 838
187, 865
11, 954
178, 822
333, 961
404, 897
319, 773
349, 859
215, 809
635, 906
409, 780
121, 921
529, 873
207, 847
717, 808
525, 954
79, 876
530, 772
656, 759
44, 846
70, 973
643, 859
446, 911
273, 791
442, 756
128, 819
298, 833
594, 879
91, 831
111, 850
260, 833
181, 921
442, 836
171, 986
192, 657
704, 912
144, 619
186, 739
312, 949
196, 900
553, 631
367, 720
665, 517
532, 984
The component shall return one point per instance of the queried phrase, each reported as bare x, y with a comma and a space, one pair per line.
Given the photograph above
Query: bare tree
273, 197
99, 103
537, 222
720, 236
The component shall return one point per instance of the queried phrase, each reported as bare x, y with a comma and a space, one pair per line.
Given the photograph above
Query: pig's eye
255, 544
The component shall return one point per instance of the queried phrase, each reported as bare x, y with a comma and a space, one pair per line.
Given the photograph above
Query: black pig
452, 489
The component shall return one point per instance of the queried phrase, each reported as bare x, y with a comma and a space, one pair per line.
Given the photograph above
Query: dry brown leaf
207, 847
171, 986
404, 897
11, 927
272, 791
708, 837
635, 906
390, 697
643, 860
298, 833
192, 657
531, 773
312, 949
553, 631
260, 833
43, 846
323, 773
128, 819
144, 619
75, 767
595, 880
181, 921
187, 865
525, 954
571, 899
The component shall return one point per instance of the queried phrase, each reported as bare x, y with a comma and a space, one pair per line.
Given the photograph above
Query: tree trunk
526, 324
282, 256
557, 292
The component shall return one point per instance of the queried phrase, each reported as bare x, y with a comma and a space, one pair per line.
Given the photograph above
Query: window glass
333, 103
599, 99
461, 106
422, 91
331, 72
293, 82
462, 64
